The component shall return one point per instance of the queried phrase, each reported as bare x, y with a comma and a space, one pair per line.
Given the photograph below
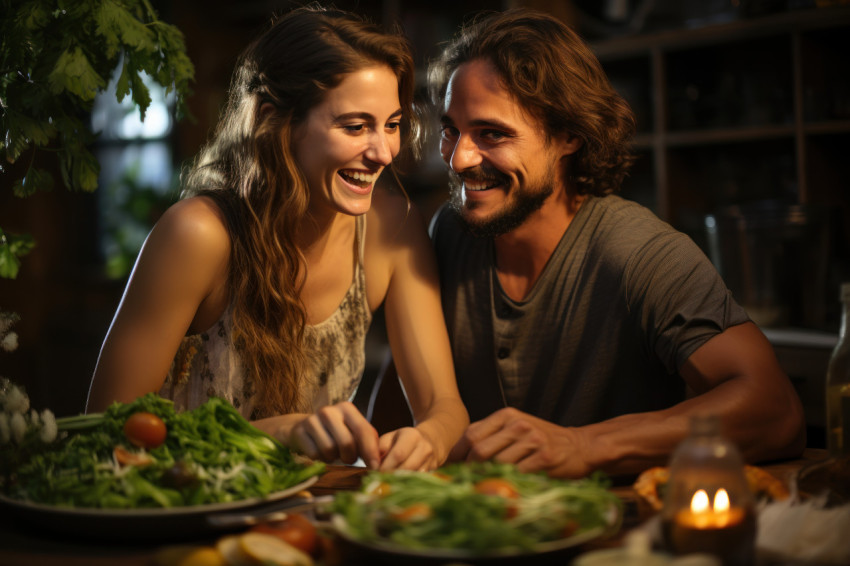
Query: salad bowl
147, 524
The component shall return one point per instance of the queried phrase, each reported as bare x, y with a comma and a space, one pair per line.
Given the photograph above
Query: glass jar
708, 505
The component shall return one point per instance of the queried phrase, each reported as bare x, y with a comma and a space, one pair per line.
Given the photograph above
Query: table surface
23, 543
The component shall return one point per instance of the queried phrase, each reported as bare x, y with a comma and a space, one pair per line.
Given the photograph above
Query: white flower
19, 427
9, 342
5, 431
7, 319
49, 429
34, 420
16, 401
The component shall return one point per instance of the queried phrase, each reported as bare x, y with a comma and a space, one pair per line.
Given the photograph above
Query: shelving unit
780, 82
746, 112
751, 111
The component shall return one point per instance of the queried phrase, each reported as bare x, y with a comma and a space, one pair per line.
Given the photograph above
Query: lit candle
718, 515
713, 527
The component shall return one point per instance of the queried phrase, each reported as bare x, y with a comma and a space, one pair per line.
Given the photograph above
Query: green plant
55, 56
134, 210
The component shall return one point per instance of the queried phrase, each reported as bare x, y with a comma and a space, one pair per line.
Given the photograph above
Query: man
578, 318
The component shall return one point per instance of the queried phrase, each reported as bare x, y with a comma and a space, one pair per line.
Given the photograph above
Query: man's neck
522, 254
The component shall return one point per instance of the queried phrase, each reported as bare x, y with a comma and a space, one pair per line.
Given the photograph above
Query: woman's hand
337, 432
407, 449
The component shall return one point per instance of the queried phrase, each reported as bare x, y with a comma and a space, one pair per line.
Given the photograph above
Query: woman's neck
317, 233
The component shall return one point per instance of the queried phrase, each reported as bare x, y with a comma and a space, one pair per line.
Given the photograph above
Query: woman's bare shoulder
195, 214
196, 223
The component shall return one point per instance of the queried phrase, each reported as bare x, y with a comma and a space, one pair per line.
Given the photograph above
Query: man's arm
735, 375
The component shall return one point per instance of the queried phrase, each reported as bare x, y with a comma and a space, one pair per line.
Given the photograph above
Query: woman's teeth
359, 178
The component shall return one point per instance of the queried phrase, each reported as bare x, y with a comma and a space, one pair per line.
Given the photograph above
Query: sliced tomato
497, 486
414, 512
381, 489
145, 430
295, 529
127, 458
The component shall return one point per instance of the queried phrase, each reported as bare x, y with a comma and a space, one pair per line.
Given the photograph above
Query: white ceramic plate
554, 552
140, 524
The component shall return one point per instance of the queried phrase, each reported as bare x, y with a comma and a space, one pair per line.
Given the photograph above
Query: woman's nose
380, 150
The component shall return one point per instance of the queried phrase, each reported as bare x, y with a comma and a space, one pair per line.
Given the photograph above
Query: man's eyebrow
364, 116
482, 123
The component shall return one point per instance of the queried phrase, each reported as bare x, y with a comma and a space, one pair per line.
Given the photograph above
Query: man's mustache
480, 175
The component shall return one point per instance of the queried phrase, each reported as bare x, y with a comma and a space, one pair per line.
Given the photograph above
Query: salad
142, 454
479, 507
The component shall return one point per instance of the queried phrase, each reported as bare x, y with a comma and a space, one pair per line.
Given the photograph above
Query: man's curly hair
555, 76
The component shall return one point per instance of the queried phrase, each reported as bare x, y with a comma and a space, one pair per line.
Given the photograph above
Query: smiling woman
358, 128
259, 285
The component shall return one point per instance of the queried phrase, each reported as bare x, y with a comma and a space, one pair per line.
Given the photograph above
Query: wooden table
25, 544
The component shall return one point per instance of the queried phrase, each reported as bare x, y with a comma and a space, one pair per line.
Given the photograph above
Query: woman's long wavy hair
249, 170
555, 76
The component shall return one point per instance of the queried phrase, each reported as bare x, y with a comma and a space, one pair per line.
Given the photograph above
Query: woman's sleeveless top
207, 364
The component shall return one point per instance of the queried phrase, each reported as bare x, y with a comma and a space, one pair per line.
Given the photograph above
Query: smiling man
579, 321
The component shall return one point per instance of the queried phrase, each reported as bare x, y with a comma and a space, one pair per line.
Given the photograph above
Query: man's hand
337, 432
533, 444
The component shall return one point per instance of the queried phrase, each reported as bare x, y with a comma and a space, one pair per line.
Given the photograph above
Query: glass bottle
708, 504
838, 385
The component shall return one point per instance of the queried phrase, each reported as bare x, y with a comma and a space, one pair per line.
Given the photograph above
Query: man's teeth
477, 186
364, 178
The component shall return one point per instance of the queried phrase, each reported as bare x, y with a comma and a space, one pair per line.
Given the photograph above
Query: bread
649, 485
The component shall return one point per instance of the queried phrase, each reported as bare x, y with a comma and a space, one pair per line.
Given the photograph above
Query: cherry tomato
497, 486
145, 430
296, 530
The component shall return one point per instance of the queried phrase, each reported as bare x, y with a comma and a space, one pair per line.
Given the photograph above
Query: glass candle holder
708, 505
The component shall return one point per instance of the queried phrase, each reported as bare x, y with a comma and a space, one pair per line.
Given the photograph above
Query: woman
260, 284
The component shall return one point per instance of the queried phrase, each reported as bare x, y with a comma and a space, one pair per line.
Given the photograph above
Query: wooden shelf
833, 127
743, 112
727, 135
712, 35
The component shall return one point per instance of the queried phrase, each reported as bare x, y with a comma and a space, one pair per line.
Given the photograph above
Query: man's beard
521, 205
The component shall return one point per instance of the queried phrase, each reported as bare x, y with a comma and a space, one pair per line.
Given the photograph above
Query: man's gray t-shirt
622, 303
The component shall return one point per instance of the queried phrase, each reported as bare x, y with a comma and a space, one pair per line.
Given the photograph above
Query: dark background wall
62, 294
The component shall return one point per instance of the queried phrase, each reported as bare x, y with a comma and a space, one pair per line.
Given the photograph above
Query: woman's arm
420, 347
179, 278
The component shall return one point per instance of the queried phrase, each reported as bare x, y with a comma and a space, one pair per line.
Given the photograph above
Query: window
137, 180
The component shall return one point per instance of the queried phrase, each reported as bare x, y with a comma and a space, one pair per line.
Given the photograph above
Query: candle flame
699, 502
721, 500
